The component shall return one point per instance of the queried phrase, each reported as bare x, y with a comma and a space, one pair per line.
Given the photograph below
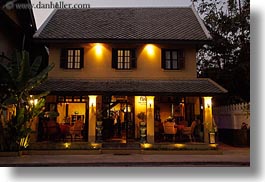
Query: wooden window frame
123, 59
179, 60
71, 60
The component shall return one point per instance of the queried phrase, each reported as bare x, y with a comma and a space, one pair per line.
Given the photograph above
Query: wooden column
207, 117
150, 119
92, 118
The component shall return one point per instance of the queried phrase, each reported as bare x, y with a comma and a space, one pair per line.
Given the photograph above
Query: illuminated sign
142, 100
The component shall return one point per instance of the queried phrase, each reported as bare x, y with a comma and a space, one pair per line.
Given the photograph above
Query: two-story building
120, 62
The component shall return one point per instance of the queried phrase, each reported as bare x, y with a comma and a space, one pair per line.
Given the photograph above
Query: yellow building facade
125, 80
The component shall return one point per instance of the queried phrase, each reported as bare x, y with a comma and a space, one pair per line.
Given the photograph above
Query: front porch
144, 119
131, 110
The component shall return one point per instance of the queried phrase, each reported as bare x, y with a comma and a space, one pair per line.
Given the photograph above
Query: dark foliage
226, 59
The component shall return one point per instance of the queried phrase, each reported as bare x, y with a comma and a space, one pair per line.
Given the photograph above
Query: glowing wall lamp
207, 102
150, 49
150, 103
92, 100
99, 49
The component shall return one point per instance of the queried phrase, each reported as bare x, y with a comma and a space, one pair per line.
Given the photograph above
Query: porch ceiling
132, 87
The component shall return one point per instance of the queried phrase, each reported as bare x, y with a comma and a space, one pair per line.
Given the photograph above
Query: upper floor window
172, 59
123, 59
72, 58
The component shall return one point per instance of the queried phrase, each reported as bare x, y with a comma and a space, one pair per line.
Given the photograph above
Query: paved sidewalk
230, 156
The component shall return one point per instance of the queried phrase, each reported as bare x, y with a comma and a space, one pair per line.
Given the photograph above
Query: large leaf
38, 79
15, 64
23, 74
41, 95
20, 116
35, 66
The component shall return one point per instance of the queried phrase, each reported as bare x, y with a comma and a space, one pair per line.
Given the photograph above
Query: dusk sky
42, 14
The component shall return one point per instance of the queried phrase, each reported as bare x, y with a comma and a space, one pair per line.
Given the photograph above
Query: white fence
232, 116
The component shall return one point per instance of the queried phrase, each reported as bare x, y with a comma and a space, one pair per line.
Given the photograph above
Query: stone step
117, 145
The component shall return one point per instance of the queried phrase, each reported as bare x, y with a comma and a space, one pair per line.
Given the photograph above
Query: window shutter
181, 59
63, 59
114, 58
133, 58
82, 58
163, 62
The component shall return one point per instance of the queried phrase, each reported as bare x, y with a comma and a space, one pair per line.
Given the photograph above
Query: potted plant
212, 129
142, 117
99, 117
99, 127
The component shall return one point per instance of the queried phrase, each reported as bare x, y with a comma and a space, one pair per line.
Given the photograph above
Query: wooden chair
76, 129
189, 131
170, 130
183, 122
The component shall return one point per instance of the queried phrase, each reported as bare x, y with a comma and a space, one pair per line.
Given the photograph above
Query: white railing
232, 116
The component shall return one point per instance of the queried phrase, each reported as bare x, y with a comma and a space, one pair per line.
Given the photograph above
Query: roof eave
205, 30
81, 40
129, 93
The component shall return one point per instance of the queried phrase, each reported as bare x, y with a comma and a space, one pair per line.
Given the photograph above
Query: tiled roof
123, 24
136, 87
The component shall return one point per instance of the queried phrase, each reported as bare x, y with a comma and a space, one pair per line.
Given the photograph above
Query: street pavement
228, 156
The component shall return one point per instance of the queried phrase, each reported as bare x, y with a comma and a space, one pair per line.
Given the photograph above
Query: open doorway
118, 124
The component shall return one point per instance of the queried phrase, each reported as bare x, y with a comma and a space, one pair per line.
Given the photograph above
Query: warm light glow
92, 100
95, 145
213, 145
207, 102
147, 145
179, 145
99, 49
150, 101
67, 145
150, 48
35, 101
127, 110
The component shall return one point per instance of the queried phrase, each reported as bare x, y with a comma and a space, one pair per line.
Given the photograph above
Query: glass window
124, 59
73, 59
171, 59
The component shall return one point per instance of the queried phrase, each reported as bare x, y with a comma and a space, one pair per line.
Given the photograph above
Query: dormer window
123, 59
72, 58
172, 59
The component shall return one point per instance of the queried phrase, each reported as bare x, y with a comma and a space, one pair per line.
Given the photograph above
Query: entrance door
120, 123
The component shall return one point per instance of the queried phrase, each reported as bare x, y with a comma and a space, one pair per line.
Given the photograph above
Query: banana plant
18, 78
